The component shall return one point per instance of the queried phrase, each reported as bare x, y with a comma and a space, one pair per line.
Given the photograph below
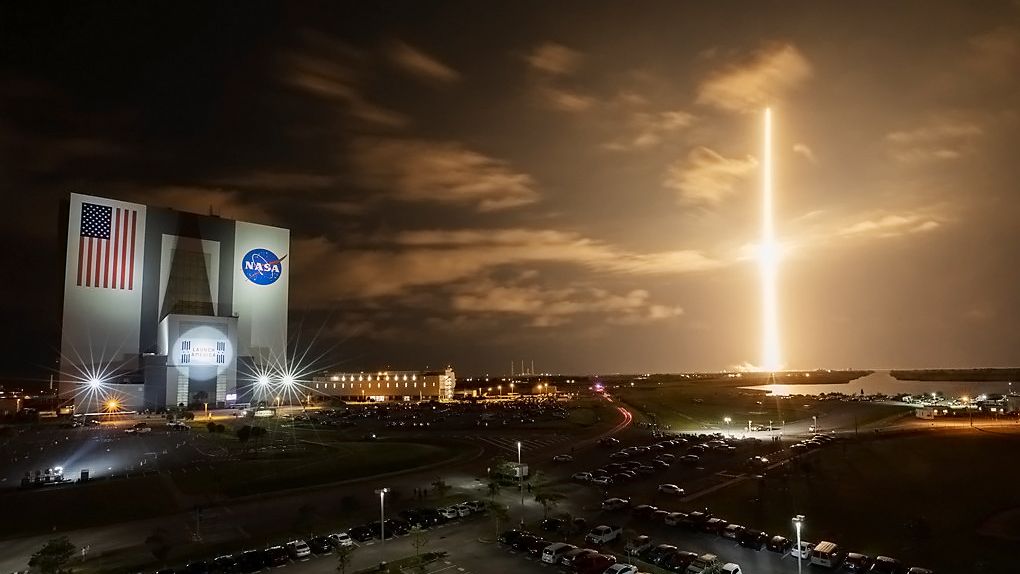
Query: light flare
769, 256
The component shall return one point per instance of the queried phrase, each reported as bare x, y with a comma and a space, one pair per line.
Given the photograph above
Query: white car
462, 509
672, 489
621, 569
602, 481
341, 539
804, 552
298, 549
582, 476
563, 458
449, 512
475, 505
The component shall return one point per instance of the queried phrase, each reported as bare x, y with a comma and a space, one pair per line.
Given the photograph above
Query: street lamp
727, 420
520, 480
798, 522
814, 419
382, 517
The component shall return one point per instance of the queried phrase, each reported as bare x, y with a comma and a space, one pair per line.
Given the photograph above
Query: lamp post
814, 419
798, 522
520, 481
382, 517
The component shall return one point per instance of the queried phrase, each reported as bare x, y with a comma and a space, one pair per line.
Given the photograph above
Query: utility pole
520, 480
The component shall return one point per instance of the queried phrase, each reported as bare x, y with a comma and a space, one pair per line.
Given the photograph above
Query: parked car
552, 524
252, 561
714, 525
571, 557
679, 560
621, 569
780, 544
754, 539
603, 534
277, 555
448, 512
225, 563
856, 562
298, 550
671, 489
582, 476
643, 510
594, 563
804, 552
659, 553
563, 458
320, 545
886, 565
475, 505
342, 539
552, 553
733, 531
362, 533
615, 503
508, 537
919, 570
638, 545
675, 518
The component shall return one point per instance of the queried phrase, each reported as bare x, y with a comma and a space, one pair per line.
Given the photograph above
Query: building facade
387, 385
163, 307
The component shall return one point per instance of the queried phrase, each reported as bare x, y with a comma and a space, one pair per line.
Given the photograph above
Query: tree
499, 513
343, 558
211, 426
494, 488
419, 539
159, 545
544, 494
442, 489
53, 556
715, 568
200, 397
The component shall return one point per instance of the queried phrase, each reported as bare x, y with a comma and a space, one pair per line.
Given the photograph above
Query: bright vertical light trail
769, 260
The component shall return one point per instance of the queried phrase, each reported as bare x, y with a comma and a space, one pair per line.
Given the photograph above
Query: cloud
762, 79
705, 177
890, 225
442, 172
422, 65
805, 151
395, 264
996, 54
554, 59
230, 204
647, 130
941, 140
564, 100
545, 307
326, 69
277, 180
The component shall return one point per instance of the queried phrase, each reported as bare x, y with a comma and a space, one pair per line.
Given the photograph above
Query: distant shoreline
958, 375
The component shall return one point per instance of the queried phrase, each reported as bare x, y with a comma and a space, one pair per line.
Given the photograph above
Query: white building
386, 385
163, 307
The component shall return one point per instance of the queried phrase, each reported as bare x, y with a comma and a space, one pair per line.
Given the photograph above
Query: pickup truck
705, 560
603, 534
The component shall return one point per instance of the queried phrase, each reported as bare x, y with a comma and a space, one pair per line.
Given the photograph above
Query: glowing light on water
769, 260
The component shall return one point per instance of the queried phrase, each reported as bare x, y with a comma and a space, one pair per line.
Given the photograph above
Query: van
827, 554
554, 552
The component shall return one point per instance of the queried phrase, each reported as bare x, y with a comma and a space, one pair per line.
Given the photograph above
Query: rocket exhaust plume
769, 260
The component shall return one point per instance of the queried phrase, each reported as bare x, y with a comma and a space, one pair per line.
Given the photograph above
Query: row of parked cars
589, 560
825, 553
300, 549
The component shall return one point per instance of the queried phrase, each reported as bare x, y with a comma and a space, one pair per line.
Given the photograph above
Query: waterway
881, 382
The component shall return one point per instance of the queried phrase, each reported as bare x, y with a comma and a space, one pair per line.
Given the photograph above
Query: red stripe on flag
116, 247
99, 253
123, 251
81, 253
106, 264
131, 271
88, 266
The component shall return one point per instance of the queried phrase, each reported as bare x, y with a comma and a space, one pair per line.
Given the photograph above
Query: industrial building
386, 385
163, 307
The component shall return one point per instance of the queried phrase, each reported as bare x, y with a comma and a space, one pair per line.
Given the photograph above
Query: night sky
576, 183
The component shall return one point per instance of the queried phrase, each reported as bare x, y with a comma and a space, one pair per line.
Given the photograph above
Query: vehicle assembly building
163, 307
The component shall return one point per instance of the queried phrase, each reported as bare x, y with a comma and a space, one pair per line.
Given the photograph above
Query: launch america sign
262, 266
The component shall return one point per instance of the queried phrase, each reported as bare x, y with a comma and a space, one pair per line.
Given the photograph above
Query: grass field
914, 497
317, 465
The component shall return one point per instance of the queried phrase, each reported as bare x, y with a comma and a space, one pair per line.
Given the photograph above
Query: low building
386, 385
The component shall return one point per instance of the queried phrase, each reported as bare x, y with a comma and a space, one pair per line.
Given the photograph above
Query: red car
594, 563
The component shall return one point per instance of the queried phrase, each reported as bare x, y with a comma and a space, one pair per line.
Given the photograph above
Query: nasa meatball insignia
262, 266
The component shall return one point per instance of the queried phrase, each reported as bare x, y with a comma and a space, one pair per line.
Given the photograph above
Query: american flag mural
106, 247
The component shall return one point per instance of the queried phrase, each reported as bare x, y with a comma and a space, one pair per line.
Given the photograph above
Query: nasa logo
262, 266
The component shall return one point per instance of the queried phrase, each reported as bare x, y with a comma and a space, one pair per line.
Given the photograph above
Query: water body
881, 382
